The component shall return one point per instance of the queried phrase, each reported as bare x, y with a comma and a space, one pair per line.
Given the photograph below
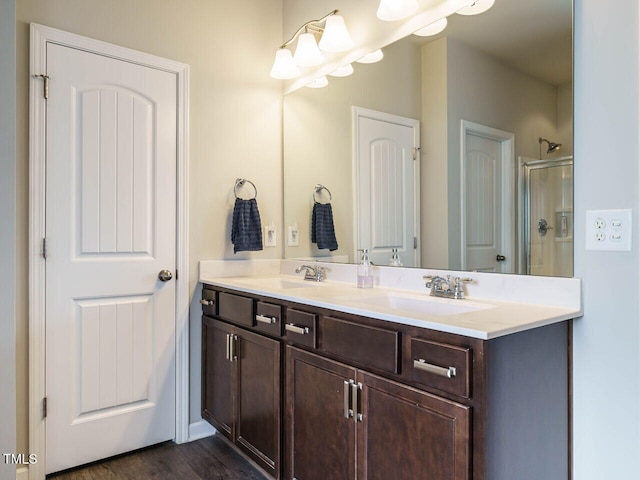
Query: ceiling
533, 36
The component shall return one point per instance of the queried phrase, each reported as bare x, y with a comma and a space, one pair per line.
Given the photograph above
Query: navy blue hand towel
246, 229
322, 229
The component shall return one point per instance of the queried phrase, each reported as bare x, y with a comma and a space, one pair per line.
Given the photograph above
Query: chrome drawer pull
296, 329
435, 369
264, 319
206, 302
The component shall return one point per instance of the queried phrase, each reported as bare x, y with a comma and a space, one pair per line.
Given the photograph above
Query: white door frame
40, 36
507, 140
357, 114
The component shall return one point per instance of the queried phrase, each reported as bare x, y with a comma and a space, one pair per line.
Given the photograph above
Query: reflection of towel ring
240, 182
319, 188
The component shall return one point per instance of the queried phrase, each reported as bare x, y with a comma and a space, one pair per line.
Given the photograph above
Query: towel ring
318, 189
240, 182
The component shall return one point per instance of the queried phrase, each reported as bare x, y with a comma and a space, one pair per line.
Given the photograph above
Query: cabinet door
407, 434
217, 377
258, 421
320, 440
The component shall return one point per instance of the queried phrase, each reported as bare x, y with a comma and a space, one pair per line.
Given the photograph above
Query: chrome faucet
315, 274
443, 287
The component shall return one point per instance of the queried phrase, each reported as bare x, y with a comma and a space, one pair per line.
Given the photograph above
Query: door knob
500, 258
165, 275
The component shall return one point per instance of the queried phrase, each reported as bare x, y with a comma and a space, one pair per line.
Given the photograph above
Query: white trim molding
40, 37
199, 430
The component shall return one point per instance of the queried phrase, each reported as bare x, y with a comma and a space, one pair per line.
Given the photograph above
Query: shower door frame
527, 165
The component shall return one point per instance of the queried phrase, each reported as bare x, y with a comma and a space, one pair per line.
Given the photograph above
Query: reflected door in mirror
387, 188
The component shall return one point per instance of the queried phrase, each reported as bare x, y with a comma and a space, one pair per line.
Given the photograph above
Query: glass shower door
548, 217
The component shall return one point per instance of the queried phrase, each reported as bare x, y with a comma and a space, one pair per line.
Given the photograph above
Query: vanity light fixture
343, 71
391, 10
335, 38
477, 7
372, 57
432, 29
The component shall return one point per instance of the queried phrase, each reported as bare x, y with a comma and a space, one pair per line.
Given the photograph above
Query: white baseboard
22, 473
200, 430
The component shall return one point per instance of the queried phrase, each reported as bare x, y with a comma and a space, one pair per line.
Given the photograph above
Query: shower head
552, 145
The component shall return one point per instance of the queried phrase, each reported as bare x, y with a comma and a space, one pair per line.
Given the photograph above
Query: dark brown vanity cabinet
346, 423
241, 389
312, 393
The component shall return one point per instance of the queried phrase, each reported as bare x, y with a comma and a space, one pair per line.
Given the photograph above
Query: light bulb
343, 71
318, 83
372, 57
390, 10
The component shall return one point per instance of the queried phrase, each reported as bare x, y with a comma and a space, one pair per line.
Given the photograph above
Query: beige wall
235, 122
318, 138
434, 206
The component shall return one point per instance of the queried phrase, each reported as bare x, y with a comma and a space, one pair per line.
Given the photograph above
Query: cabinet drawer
441, 366
209, 302
371, 346
301, 327
269, 318
236, 309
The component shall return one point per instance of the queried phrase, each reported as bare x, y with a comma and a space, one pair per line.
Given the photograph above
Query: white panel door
483, 206
386, 186
110, 227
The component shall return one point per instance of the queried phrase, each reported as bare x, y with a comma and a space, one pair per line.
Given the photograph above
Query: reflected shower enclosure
547, 216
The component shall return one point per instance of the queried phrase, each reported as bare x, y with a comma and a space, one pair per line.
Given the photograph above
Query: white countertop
487, 318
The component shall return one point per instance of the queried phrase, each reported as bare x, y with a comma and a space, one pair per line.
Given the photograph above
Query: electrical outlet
609, 230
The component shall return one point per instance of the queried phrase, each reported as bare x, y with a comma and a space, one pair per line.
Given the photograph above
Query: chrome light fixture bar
335, 38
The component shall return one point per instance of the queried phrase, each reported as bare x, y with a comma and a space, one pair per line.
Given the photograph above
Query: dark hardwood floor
208, 459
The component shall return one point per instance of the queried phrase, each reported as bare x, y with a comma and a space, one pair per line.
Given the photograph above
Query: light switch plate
270, 236
609, 230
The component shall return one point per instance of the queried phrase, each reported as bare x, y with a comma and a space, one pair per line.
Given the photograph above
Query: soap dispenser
365, 271
395, 258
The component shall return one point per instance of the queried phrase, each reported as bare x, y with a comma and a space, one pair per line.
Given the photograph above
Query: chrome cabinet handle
348, 411
231, 347
296, 329
206, 302
421, 364
265, 319
356, 388
233, 343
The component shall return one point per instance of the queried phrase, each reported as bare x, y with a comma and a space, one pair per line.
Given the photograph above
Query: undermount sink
276, 282
420, 304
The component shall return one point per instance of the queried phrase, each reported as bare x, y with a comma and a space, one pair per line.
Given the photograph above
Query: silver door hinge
44, 407
45, 85
415, 152
44, 248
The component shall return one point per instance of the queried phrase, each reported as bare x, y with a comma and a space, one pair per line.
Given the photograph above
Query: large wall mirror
489, 103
